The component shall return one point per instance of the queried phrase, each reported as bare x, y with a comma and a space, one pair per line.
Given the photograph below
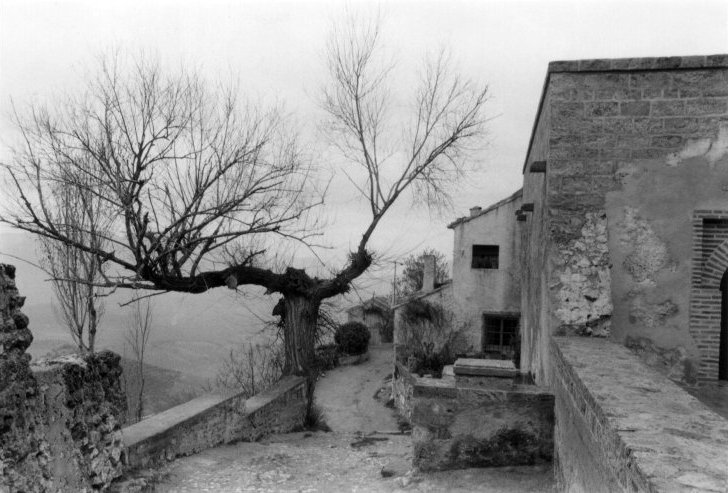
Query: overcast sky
276, 50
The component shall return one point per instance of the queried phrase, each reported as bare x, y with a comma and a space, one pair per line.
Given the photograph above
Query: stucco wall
632, 155
477, 291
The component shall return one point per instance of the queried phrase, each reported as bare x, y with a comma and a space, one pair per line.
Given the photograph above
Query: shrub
352, 338
429, 339
327, 357
386, 330
250, 369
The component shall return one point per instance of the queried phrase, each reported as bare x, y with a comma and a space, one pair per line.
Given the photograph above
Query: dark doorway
723, 347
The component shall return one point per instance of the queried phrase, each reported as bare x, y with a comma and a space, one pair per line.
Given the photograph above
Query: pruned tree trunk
300, 314
300, 317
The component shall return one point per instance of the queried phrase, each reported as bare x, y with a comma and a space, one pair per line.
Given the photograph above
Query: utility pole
394, 285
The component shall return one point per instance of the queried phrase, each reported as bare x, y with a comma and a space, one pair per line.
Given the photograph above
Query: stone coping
646, 63
665, 435
162, 422
485, 367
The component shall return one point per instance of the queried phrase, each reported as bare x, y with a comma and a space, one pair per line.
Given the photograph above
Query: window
499, 334
485, 257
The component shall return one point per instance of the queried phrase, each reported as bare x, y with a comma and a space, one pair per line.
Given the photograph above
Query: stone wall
212, 420
621, 426
59, 421
403, 385
636, 150
455, 427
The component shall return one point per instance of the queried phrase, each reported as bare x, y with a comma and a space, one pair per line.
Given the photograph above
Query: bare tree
412, 277
188, 174
137, 337
80, 216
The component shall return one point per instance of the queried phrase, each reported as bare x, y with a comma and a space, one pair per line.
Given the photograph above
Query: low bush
352, 338
429, 339
327, 357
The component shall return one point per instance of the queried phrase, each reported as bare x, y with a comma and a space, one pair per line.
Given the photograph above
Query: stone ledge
485, 367
655, 436
635, 64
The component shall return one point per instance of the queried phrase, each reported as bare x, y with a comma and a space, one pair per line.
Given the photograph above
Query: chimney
428, 278
474, 211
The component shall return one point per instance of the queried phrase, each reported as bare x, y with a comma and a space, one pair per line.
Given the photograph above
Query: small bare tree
137, 337
80, 216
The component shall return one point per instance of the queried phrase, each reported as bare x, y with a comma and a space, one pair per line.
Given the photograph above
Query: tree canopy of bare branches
79, 214
186, 172
181, 172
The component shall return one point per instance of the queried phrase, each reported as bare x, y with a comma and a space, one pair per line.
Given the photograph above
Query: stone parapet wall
621, 426
212, 420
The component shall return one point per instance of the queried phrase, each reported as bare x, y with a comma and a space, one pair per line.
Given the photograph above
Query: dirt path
360, 455
346, 395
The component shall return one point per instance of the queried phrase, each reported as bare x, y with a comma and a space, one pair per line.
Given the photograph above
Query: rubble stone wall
59, 421
483, 426
403, 385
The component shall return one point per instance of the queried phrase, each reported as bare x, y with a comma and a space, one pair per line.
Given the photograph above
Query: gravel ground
327, 462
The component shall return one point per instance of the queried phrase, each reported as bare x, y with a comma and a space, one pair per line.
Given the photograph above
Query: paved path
350, 459
346, 394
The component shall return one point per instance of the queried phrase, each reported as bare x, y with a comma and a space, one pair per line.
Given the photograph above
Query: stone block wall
212, 420
60, 421
634, 149
621, 426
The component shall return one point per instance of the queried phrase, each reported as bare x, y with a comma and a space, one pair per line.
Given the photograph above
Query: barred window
485, 257
499, 334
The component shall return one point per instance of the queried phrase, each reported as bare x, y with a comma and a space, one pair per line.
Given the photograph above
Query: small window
499, 334
485, 257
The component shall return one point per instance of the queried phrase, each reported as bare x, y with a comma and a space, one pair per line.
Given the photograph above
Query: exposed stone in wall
584, 298
59, 422
671, 362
